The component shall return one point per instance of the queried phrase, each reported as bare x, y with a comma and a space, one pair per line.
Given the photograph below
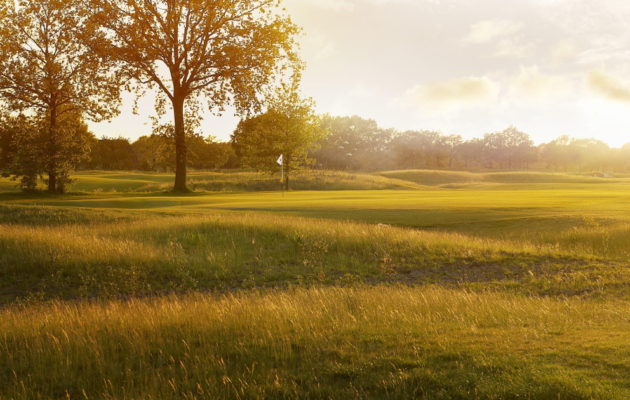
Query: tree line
306, 141
354, 143
342, 143
358, 144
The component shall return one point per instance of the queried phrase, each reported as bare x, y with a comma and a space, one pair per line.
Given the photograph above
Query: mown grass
592, 221
329, 343
229, 181
454, 178
489, 291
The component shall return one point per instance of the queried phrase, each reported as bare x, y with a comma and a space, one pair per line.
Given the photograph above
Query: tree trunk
180, 146
52, 151
52, 181
287, 165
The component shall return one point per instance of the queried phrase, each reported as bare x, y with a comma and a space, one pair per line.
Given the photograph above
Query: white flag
280, 160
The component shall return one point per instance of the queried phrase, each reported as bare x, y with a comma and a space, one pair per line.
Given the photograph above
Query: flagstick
282, 169
281, 162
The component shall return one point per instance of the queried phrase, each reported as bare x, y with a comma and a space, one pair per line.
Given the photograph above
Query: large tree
223, 52
47, 71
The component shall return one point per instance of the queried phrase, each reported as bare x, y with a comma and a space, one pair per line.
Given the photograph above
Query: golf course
390, 285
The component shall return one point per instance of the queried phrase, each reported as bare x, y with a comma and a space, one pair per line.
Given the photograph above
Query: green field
393, 285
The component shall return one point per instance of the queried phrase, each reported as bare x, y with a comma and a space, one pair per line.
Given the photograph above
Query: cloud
531, 83
318, 46
491, 30
462, 92
350, 5
510, 47
335, 5
564, 51
609, 86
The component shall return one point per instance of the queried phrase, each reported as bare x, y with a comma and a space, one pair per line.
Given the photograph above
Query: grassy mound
137, 254
432, 178
126, 182
315, 180
305, 180
543, 177
451, 178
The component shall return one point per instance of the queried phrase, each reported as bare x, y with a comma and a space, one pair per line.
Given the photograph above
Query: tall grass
152, 254
383, 342
474, 294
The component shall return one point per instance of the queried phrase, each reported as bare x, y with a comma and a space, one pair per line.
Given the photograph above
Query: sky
547, 67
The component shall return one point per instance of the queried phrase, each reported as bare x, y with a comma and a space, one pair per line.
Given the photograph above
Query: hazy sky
549, 67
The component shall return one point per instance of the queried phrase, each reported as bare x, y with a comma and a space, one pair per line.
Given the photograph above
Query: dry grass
148, 254
434, 294
379, 342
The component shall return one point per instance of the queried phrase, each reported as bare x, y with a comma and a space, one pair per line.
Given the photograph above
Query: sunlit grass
489, 291
380, 342
231, 181
437, 178
153, 254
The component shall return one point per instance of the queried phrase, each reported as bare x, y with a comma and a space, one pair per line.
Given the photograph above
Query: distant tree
353, 143
566, 153
375, 154
112, 154
470, 153
450, 145
207, 153
417, 149
508, 149
203, 152
155, 153
556, 154
591, 154
224, 52
234, 159
47, 71
623, 158
288, 128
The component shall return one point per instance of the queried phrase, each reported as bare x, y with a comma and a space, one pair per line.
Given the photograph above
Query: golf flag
281, 159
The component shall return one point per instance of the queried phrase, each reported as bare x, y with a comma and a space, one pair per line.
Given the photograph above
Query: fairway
486, 290
564, 211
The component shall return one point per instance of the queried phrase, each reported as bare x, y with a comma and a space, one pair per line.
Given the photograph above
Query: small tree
222, 51
46, 71
289, 128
